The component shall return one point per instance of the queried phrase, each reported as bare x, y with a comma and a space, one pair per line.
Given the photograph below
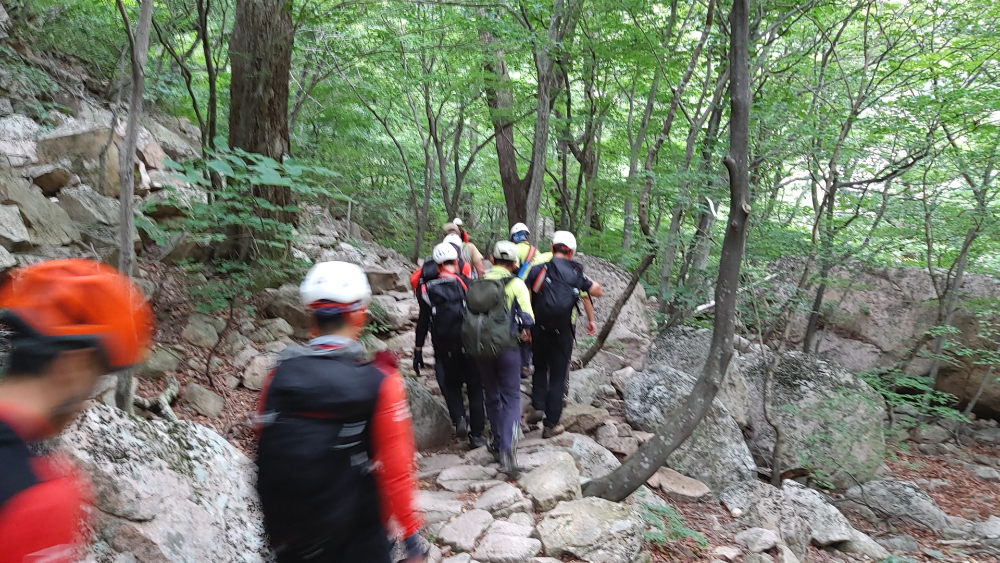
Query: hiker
429, 269
499, 316
556, 287
468, 253
527, 254
442, 307
335, 452
72, 321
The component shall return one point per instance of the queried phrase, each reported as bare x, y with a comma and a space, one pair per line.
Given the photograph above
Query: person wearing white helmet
442, 307
335, 440
557, 285
469, 253
499, 317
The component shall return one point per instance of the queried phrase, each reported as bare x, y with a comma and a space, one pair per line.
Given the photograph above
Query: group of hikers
488, 326
336, 452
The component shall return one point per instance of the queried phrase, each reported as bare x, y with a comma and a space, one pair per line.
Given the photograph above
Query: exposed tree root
161, 403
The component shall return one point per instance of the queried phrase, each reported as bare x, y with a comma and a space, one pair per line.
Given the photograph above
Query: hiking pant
525, 354
502, 384
456, 371
368, 544
553, 350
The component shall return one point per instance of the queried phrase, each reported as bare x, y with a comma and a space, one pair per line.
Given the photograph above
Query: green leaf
222, 167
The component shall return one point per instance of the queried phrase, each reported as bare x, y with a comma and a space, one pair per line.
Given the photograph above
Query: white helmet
454, 239
519, 227
445, 252
505, 250
457, 221
336, 282
564, 238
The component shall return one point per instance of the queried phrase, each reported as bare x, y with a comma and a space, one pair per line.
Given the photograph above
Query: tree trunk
261, 52
627, 229
613, 316
641, 465
139, 47
952, 301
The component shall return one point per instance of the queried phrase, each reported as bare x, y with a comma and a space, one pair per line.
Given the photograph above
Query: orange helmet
83, 302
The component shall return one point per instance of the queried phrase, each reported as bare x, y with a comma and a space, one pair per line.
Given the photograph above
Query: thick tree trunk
261, 52
139, 48
641, 465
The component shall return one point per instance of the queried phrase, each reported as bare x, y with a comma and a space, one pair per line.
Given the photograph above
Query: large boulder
82, 142
593, 530
177, 146
13, 233
87, 207
174, 201
685, 349
47, 223
50, 177
7, 261
285, 303
900, 499
715, 453
165, 491
630, 337
431, 425
830, 421
17, 140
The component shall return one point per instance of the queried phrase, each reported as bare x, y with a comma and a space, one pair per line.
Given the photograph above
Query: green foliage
899, 388
664, 525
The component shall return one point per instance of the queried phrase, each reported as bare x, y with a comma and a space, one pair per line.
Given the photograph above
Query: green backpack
486, 328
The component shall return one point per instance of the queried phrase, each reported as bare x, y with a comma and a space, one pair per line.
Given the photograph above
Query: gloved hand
416, 552
418, 361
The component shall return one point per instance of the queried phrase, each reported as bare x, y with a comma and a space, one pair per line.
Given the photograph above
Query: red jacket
393, 449
41, 498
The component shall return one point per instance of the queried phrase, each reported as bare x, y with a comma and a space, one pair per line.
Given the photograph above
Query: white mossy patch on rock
168, 491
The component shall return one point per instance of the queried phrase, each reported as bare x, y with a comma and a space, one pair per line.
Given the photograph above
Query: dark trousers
453, 371
502, 383
525, 354
553, 350
367, 545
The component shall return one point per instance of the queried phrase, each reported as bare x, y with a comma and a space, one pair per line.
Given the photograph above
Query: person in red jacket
335, 450
71, 322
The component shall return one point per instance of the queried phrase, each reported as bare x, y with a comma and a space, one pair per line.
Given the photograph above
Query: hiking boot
462, 428
508, 464
535, 416
490, 447
552, 431
525, 372
476, 442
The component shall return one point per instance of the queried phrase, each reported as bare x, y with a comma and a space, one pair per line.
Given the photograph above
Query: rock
607, 436
758, 540
383, 281
150, 152
762, 506
786, 555
173, 201
161, 361
506, 549
929, 434
505, 528
6, 109
986, 473
17, 140
257, 370
394, 318
988, 530
166, 491
50, 177
728, 552
830, 420
582, 419
900, 544
500, 497
827, 525
174, 145
439, 506
678, 487
460, 558
584, 385
200, 331
759, 558
461, 477
245, 355
463, 532
431, 424
594, 460
591, 529
556, 481
432, 465
287, 305
6, 261
715, 454
900, 499
47, 223
83, 142
863, 545
203, 400
13, 233
278, 327
686, 349
87, 207
987, 435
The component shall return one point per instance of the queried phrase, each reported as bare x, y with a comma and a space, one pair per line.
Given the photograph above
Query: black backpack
314, 475
556, 293
446, 297
430, 271
488, 329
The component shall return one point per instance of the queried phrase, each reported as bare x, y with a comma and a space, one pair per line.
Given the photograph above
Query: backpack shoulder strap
540, 280
527, 261
15, 458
